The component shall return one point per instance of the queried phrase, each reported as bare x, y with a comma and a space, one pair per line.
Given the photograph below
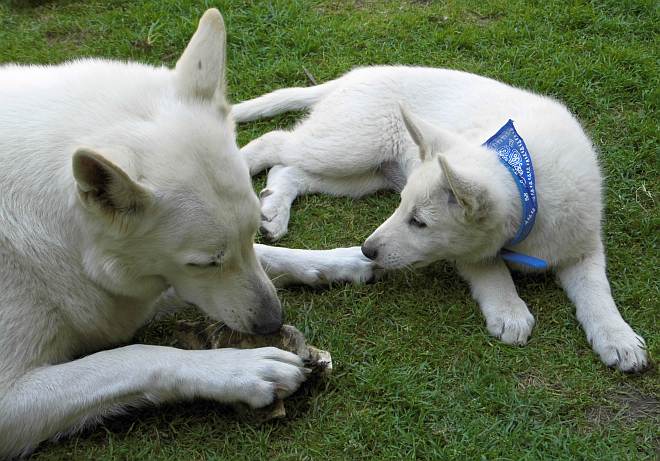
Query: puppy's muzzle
370, 251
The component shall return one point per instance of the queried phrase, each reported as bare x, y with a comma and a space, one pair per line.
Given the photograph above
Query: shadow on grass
26, 4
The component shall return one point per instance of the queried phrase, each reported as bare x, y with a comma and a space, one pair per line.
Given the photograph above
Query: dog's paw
512, 326
350, 265
339, 265
274, 215
273, 374
619, 346
253, 376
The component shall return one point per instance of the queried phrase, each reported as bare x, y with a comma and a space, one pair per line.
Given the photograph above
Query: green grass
417, 375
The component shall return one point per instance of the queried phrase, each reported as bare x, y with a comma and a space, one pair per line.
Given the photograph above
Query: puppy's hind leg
585, 283
285, 183
264, 152
283, 186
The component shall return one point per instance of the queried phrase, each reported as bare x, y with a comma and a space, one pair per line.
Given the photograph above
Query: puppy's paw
273, 230
619, 346
274, 215
512, 326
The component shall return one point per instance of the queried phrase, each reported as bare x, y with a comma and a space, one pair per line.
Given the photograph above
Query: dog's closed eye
204, 265
416, 223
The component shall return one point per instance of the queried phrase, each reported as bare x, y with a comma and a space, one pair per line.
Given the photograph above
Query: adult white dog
118, 181
459, 203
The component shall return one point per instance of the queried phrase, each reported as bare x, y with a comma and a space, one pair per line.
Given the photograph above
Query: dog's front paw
511, 325
273, 373
341, 265
619, 346
274, 215
253, 376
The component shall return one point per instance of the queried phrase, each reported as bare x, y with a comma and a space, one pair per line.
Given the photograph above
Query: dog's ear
470, 194
429, 139
200, 71
105, 188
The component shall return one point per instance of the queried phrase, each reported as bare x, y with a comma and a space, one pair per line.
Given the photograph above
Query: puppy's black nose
370, 252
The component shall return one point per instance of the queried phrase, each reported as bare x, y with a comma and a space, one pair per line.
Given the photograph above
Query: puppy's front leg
585, 282
507, 316
288, 266
53, 399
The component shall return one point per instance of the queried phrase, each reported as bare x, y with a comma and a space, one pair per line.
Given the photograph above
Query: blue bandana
513, 154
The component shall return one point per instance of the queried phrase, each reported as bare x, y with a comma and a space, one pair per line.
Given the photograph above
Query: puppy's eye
416, 222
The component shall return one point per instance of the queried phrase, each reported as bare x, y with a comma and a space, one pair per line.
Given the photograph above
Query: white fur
289, 266
114, 178
459, 203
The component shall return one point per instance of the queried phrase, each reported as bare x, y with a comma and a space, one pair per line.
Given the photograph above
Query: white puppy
459, 202
118, 181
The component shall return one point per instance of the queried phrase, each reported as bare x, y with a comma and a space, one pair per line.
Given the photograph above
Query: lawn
416, 373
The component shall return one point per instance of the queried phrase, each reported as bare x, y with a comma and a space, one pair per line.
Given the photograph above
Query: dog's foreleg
507, 316
585, 282
288, 266
56, 399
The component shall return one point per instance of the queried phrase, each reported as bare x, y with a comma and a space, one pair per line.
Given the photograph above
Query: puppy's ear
200, 71
107, 189
472, 196
429, 139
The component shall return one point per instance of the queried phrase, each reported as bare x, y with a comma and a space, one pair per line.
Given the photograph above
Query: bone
202, 335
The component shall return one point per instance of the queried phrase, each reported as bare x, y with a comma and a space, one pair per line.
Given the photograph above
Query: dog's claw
619, 347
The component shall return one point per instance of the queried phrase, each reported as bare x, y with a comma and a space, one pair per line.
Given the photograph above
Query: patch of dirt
343, 5
28, 3
628, 404
76, 37
483, 19
142, 44
535, 380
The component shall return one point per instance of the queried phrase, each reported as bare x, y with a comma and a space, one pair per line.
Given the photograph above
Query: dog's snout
370, 251
270, 318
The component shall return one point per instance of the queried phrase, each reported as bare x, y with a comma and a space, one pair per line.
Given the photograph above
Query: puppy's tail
280, 101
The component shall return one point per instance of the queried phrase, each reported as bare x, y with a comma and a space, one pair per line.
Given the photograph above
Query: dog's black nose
370, 252
267, 328
271, 316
